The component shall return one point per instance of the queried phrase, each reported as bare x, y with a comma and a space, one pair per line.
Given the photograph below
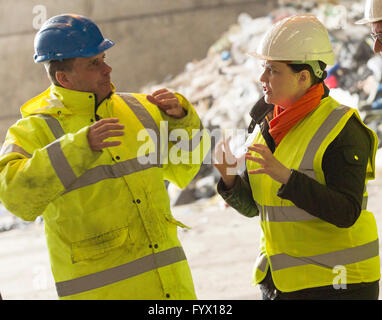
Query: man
93, 163
373, 16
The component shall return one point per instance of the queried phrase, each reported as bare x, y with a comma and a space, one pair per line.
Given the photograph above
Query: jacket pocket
355, 157
98, 246
171, 219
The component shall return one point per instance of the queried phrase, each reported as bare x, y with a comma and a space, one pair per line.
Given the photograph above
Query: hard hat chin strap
318, 72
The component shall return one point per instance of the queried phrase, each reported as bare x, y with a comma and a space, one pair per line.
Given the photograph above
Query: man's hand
270, 165
167, 102
103, 129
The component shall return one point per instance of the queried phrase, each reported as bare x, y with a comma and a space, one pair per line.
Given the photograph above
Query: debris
224, 85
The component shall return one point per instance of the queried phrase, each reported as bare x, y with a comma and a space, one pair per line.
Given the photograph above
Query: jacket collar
57, 100
76, 101
260, 110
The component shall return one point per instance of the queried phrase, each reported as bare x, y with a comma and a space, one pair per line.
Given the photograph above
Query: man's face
90, 75
376, 27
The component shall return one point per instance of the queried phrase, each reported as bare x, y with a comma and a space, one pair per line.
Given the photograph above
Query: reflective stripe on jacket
108, 224
304, 251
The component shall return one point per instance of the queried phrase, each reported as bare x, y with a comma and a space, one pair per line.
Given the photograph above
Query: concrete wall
153, 38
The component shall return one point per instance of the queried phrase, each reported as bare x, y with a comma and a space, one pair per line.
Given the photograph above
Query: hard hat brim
329, 61
103, 46
368, 20
262, 57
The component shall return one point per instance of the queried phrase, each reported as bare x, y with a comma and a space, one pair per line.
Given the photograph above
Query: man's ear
63, 80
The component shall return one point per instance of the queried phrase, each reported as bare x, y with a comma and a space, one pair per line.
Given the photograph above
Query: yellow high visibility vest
108, 223
302, 250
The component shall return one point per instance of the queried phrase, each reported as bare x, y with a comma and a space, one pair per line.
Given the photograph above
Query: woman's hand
270, 165
226, 162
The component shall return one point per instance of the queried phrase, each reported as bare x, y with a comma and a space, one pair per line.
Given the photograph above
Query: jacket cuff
287, 190
239, 197
77, 150
189, 121
222, 188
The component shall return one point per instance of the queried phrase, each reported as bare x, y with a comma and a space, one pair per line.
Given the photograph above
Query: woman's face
281, 86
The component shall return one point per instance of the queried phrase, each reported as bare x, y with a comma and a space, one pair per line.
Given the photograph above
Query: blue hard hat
69, 36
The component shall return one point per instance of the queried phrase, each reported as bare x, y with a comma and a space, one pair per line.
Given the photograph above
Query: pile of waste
225, 85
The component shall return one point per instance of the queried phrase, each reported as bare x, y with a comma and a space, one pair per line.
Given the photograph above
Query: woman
306, 175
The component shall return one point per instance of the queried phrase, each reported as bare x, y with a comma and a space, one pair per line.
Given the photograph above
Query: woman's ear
304, 78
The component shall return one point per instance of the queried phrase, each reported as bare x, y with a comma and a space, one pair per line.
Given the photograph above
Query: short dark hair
296, 68
53, 66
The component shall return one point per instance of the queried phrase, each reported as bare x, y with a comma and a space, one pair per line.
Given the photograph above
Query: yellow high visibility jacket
108, 224
304, 251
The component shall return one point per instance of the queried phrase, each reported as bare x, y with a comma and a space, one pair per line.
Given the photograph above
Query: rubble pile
225, 85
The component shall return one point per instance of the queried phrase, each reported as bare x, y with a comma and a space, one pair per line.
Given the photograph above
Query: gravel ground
221, 248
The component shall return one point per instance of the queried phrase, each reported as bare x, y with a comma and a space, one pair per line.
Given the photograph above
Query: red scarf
285, 119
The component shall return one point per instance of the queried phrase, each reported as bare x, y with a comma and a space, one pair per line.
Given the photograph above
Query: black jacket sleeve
344, 165
239, 196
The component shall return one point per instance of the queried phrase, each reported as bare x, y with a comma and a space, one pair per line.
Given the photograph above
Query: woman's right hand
226, 162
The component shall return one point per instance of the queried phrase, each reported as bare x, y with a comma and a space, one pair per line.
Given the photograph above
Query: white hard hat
373, 12
297, 38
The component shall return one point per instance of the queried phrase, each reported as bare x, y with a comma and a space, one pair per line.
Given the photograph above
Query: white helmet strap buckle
318, 72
